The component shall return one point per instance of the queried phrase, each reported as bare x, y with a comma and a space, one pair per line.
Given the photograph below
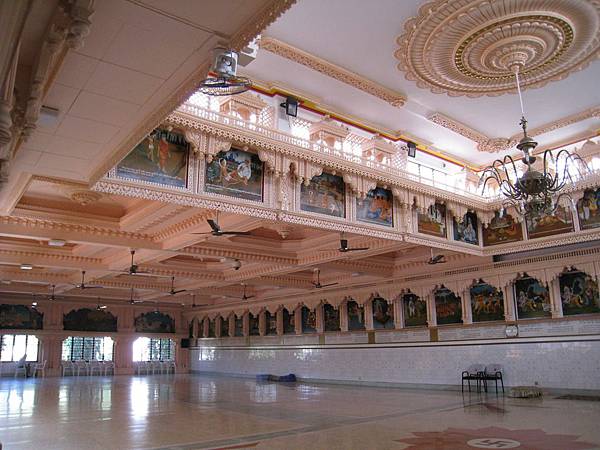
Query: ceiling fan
83, 286
216, 229
174, 291
134, 268
52, 296
318, 284
244, 296
436, 259
131, 299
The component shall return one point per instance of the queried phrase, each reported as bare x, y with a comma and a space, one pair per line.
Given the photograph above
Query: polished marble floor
188, 412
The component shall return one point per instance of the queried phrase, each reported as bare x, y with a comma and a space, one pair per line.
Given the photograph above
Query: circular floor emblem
493, 443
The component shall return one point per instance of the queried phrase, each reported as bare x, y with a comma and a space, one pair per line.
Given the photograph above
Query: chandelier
533, 193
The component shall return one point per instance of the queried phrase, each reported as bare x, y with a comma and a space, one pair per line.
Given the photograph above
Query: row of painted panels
21, 317
163, 158
578, 290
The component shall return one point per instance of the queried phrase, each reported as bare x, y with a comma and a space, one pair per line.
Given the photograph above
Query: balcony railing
414, 171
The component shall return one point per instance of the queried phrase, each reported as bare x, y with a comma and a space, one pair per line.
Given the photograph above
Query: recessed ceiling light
26, 267
56, 243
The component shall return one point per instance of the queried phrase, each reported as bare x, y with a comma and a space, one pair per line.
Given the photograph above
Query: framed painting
239, 326
253, 329
447, 306
309, 320
289, 324
235, 173
383, 314
331, 318
20, 317
271, 321
356, 316
487, 302
325, 194
548, 225
415, 310
465, 230
162, 158
588, 209
434, 221
156, 322
86, 319
532, 298
376, 208
578, 292
502, 230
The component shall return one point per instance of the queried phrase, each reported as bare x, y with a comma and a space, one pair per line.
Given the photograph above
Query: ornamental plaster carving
494, 145
298, 155
82, 197
215, 146
472, 47
313, 62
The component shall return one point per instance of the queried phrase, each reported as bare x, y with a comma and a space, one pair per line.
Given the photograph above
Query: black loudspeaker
412, 149
185, 343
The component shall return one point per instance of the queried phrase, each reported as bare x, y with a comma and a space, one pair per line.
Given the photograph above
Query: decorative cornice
261, 20
331, 70
494, 145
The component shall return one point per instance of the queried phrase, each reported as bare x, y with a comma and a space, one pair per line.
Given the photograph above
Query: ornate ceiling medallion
473, 47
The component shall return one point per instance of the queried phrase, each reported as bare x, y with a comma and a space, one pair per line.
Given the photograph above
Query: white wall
557, 363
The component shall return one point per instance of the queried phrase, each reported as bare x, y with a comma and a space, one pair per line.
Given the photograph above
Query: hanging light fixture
222, 79
533, 193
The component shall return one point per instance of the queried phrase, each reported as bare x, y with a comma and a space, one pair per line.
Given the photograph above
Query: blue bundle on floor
282, 379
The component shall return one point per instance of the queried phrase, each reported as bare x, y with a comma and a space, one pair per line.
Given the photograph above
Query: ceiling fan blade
238, 233
246, 297
329, 284
356, 249
208, 232
92, 287
173, 292
214, 225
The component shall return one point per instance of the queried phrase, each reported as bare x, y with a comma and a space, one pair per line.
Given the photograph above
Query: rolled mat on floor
283, 378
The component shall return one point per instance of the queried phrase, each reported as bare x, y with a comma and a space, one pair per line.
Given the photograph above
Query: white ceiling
361, 36
136, 56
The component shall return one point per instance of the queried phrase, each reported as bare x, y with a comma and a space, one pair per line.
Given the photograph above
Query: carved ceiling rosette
471, 47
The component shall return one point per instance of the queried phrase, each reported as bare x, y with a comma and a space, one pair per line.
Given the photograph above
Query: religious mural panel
86, 319
155, 322
325, 194
447, 306
532, 298
502, 230
434, 221
331, 317
253, 328
236, 173
383, 314
376, 208
588, 209
239, 326
20, 317
356, 316
547, 225
465, 230
162, 157
271, 320
487, 302
415, 309
289, 324
578, 292
309, 320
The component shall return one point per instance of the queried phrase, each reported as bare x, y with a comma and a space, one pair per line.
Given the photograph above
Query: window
80, 348
15, 346
153, 349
